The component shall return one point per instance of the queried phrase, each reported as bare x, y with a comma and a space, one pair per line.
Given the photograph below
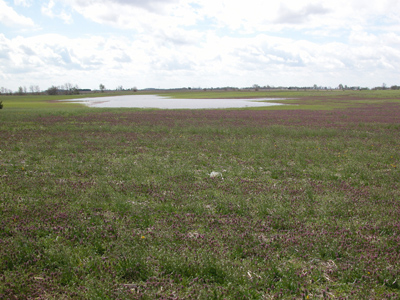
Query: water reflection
153, 101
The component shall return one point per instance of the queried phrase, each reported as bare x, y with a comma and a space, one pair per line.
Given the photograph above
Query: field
288, 202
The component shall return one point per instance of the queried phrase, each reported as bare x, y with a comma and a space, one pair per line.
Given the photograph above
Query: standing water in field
153, 101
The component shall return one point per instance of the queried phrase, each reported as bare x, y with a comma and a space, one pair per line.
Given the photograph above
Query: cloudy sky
199, 43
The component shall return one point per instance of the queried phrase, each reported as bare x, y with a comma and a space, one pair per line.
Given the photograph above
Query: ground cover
300, 99
120, 204
33, 101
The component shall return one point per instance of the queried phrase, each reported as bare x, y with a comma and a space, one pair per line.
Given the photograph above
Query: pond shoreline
161, 102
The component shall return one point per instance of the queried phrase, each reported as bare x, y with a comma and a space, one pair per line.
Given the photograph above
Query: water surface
154, 101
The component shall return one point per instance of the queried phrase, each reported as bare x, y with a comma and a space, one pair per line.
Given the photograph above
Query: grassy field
289, 202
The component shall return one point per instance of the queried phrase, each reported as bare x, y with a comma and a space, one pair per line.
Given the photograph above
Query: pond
153, 101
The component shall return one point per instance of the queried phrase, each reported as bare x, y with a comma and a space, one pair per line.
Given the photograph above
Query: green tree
53, 90
20, 90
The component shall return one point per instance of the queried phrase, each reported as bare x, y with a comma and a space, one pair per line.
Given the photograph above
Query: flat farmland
288, 202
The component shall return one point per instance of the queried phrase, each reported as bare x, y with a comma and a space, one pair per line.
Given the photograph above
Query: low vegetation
201, 204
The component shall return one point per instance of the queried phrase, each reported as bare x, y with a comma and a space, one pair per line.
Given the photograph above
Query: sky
199, 43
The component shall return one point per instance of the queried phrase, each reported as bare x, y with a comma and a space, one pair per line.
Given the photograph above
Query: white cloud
249, 17
48, 10
286, 15
25, 3
217, 61
207, 43
10, 18
142, 16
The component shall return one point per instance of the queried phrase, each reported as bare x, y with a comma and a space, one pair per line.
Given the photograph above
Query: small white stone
214, 174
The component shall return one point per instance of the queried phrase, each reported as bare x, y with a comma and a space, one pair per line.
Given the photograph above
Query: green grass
119, 203
295, 100
326, 94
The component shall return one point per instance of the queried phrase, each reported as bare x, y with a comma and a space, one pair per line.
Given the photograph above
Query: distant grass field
293, 202
310, 99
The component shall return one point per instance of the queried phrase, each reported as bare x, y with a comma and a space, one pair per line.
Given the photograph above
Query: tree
102, 87
20, 90
75, 90
53, 90
34, 89
68, 88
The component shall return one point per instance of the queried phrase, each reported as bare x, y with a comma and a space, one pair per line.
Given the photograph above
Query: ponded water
153, 101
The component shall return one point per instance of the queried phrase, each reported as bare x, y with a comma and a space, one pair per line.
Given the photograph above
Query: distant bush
52, 90
73, 91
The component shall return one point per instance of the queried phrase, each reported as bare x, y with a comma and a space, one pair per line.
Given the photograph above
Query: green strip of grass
301, 100
326, 94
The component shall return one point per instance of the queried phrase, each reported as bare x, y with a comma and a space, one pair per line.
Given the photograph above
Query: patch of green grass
50, 101
294, 99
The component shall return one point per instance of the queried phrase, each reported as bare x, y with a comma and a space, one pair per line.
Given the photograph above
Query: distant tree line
257, 87
70, 89
5, 91
66, 89
33, 89
384, 87
119, 88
